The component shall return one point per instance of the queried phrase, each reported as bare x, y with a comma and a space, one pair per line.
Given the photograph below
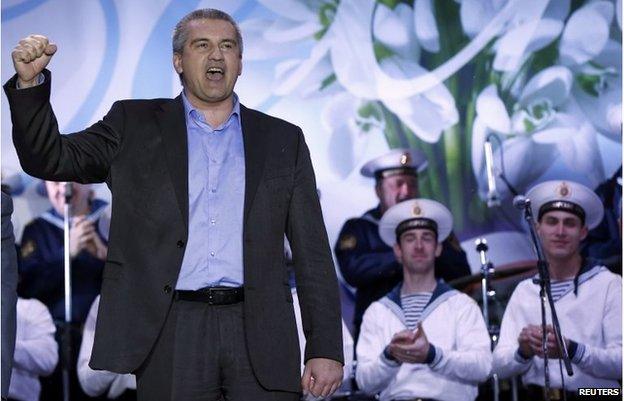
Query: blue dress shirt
216, 182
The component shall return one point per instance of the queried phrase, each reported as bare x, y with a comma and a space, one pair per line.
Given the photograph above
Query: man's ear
398, 254
177, 63
584, 232
438, 250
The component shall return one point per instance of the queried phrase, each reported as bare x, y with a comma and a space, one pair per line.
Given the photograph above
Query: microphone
521, 202
68, 192
493, 197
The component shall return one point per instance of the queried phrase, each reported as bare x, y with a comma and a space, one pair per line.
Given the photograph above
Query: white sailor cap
397, 161
412, 214
568, 196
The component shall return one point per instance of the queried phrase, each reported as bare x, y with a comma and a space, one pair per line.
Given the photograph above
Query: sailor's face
417, 250
396, 188
561, 233
79, 200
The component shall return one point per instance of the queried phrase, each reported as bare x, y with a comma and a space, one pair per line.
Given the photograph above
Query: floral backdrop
540, 79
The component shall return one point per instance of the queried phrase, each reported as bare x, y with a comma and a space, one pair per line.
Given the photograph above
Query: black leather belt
213, 295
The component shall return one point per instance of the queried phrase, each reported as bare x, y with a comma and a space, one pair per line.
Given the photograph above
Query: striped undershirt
413, 305
559, 287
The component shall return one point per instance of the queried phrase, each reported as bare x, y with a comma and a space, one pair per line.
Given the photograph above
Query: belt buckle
210, 296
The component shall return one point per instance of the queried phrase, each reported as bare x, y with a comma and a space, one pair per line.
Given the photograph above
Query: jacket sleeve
374, 371
605, 362
471, 358
44, 153
36, 350
507, 362
315, 275
359, 264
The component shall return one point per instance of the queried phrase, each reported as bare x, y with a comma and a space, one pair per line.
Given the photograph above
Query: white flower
530, 29
580, 44
352, 124
597, 90
299, 23
357, 69
544, 124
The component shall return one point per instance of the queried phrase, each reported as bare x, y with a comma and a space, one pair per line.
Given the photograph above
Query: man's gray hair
180, 33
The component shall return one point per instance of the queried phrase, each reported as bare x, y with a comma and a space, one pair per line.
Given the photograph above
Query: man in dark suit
195, 296
9, 294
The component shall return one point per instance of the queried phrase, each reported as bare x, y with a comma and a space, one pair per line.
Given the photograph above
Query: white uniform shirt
592, 318
36, 351
452, 322
96, 382
347, 339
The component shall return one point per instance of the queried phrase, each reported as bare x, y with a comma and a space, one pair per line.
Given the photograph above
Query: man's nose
404, 190
216, 53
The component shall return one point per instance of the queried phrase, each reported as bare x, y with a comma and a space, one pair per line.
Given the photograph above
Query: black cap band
379, 174
566, 206
418, 222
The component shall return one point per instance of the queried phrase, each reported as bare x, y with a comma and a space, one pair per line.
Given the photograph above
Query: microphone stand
545, 294
66, 334
486, 270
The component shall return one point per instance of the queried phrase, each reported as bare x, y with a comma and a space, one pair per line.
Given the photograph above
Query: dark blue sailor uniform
41, 272
605, 242
369, 265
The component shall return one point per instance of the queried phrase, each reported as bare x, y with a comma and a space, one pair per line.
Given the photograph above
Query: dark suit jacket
140, 150
9, 294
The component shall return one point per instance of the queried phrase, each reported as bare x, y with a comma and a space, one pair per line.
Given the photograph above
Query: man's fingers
334, 387
50, 49
315, 388
306, 380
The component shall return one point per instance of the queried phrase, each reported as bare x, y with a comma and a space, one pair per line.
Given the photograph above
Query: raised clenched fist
30, 57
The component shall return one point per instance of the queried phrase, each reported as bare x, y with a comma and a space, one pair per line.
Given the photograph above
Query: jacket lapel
255, 142
173, 127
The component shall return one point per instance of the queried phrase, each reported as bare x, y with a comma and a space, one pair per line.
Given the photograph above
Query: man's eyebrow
228, 40
199, 40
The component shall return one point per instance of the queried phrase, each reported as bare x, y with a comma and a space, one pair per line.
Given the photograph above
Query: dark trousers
201, 355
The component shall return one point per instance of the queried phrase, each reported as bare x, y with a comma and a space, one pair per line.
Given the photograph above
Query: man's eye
227, 46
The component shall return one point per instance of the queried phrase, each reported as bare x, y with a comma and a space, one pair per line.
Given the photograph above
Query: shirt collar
192, 113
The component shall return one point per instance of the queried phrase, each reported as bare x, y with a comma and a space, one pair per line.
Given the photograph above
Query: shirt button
213, 190
212, 254
213, 222
180, 244
167, 289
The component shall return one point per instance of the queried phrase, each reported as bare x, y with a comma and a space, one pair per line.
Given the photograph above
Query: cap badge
406, 158
564, 190
417, 211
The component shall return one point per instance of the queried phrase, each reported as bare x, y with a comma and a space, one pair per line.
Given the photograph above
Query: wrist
21, 84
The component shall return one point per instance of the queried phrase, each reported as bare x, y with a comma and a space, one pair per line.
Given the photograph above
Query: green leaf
391, 4
589, 83
528, 125
321, 33
327, 12
381, 52
328, 81
368, 110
